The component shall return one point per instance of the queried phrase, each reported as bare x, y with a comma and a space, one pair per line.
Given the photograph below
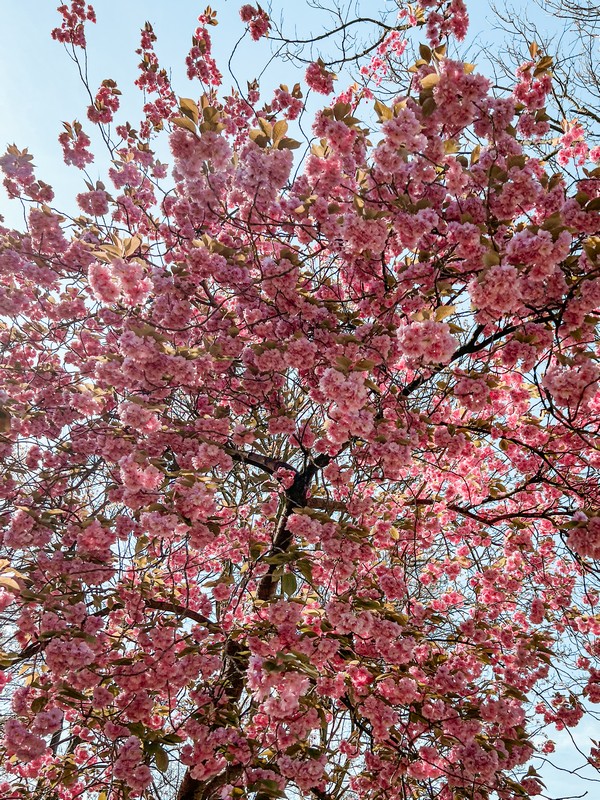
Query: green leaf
288, 144
255, 550
172, 738
279, 131
183, 122
289, 584
444, 311
161, 758
189, 108
259, 137
266, 127
382, 111
429, 81
4, 420
305, 569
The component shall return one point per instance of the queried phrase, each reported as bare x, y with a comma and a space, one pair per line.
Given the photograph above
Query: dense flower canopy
301, 487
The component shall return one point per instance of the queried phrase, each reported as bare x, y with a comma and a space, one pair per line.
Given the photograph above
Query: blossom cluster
301, 452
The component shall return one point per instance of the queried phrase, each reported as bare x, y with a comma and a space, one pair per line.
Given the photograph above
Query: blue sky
40, 89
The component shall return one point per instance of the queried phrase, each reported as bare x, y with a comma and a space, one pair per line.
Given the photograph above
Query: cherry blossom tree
568, 30
301, 452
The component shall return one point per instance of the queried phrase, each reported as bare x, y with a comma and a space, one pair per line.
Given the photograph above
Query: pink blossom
22, 743
572, 387
585, 538
430, 341
319, 78
65, 655
71, 30
347, 391
106, 103
129, 767
94, 202
48, 721
497, 290
473, 393
75, 144
573, 146
258, 19
200, 61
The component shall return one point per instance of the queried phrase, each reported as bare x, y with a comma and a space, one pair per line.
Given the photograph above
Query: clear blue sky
40, 89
